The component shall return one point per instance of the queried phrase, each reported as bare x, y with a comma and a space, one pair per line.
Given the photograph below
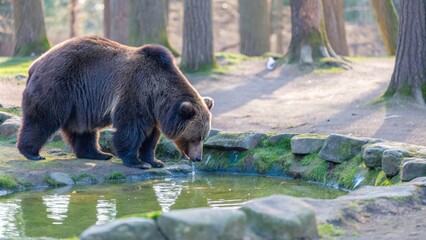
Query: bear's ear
209, 102
187, 110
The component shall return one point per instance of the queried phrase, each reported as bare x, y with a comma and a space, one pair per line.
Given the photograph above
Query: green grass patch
364, 59
15, 65
24, 182
55, 145
115, 176
329, 230
9, 140
329, 70
8, 182
13, 110
82, 176
225, 61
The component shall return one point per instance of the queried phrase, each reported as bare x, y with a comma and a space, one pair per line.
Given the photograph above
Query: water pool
66, 212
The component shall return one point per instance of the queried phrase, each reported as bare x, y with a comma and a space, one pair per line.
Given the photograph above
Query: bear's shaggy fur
86, 84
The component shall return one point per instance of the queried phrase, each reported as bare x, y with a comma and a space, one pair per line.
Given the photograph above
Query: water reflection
225, 203
167, 194
11, 219
106, 211
56, 207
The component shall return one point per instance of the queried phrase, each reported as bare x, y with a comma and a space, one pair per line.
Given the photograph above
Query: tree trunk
197, 53
408, 79
277, 24
335, 26
387, 18
254, 26
6, 28
148, 23
73, 13
309, 41
116, 20
30, 32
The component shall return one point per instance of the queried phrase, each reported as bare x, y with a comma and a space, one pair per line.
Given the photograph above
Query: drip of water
234, 157
358, 180
193, 171
208, 160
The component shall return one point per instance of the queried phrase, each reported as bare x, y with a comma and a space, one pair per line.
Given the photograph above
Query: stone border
389, 159
273, 217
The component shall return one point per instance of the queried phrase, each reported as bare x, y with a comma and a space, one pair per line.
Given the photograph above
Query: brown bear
86, 84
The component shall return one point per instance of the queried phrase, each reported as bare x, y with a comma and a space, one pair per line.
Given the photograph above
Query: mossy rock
234, 141
339, 148
307, 143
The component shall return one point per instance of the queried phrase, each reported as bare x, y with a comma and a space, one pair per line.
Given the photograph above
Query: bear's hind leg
85, 145
147, 149
33, 135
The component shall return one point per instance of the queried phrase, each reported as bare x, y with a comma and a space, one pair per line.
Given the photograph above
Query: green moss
83, 176
115, 175
329, 230
266, 155
35, 47
24, 182
308, 159
8, 182
317, 170
371, 175
380, 179
424, 91
344, 173
310, 135
405, 91
217, 160
52, 182
153, 215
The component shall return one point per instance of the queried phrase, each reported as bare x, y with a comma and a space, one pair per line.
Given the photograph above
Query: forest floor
250, 98
323, 101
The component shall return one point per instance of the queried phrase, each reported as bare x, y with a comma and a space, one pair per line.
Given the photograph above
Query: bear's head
195, 129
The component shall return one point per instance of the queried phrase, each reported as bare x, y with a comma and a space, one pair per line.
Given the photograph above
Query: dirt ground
250, 98
289, 100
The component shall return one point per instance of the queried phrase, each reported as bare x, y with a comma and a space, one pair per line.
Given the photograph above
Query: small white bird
271, 64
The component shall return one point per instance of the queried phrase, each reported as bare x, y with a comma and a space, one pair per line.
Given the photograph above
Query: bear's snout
195, 151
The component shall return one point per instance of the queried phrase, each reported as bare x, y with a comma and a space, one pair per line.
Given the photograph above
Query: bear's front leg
126, 144
148, 147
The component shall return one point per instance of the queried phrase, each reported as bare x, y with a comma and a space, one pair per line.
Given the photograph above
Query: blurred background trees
197, 53
237, 24
387, 18
254, 27
116, 20
30, 31
408, 81
334, 18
